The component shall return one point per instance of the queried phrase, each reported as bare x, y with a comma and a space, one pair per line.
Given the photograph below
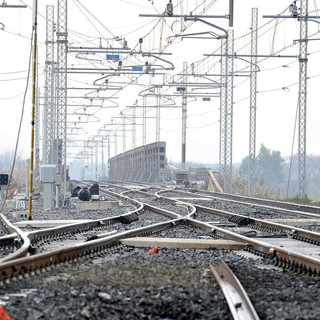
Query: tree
269, 167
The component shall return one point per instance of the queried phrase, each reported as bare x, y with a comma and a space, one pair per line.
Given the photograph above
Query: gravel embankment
129, 283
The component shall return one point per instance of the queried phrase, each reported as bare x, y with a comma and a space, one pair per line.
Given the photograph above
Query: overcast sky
90, 20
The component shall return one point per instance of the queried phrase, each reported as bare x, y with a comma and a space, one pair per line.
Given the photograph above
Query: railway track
271, 239
289, 247
249, 201
156, 216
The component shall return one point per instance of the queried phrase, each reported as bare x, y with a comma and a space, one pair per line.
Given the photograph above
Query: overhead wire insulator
169, 9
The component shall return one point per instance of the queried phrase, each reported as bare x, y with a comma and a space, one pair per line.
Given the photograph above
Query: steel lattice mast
102, 158
222, 104
253, 103
303, 17
144, 121
184, 115
37, 134
133, 125
303, 97
158, 113
124, 137
49, 114
228, 114
62, 44
115, 138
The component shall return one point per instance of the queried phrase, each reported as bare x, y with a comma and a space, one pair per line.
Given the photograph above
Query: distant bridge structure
146, 164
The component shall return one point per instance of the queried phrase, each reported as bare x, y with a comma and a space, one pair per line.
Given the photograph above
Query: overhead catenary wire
128, 78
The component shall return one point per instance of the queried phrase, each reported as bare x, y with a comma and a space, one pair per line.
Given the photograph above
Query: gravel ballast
130, 283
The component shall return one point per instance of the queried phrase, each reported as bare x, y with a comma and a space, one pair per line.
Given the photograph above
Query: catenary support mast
158, 99
222, 105
253, 103
144, 121
61, 145
49, 105
184, 115
37, 133
303, 60
228, 114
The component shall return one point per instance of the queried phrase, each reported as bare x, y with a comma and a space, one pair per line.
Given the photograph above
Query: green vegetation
303, 201
269, 174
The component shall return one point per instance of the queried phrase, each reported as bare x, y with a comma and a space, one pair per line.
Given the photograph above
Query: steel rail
146, 206
191, 209
256, 206
274, 203
281, 257
75, 227
189, 206
164, 212
295, 232
21, 241
29, 264
155, 209
50, 233
238, 301
25, 265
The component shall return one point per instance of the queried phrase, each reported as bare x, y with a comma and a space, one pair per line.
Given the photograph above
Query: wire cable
292, 147
19, 130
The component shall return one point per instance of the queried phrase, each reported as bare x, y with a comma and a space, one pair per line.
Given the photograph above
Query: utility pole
253, 103
49, 105
61, 146
34, 73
